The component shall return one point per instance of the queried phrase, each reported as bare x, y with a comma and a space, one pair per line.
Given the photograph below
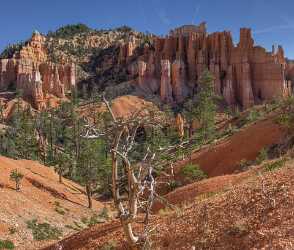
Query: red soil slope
257, 214
225, 157
37, 199
123, 106
188, 193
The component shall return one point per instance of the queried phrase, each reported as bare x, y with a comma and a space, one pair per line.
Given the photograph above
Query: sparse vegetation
193, 172
44, 231
262, 156
6, 244
59, 209
96, 218
275, 165
16, 176
174, 184
70, 30
286, 117
10, 50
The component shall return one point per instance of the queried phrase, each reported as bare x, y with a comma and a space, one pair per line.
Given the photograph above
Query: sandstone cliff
245, 74
30, 71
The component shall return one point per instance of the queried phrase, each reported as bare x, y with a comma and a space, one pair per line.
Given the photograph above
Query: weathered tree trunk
191, 130
17, 186
60, 177
89, 195
125, 220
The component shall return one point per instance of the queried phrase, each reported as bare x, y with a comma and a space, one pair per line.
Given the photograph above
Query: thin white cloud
274, 28
288, 24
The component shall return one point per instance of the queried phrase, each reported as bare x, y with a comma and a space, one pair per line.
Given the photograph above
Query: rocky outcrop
165, 83
244, 74
38, 79
180, 125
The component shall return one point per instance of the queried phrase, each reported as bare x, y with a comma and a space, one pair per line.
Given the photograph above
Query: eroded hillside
44, 199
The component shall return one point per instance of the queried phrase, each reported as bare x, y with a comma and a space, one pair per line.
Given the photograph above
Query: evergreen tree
202, 107
19, 140
93, 168
206, 106
63, 163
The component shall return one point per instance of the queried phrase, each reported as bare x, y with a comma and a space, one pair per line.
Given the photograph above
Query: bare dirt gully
232, 209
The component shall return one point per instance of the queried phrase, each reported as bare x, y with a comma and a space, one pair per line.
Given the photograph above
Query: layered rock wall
245, 74
38, 79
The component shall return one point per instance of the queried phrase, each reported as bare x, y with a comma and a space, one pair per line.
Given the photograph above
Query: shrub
96, 218
104, 213
262, 156
253, 115
10, 50
174, 184
93, 220
193, 172
16, 177
60, 210
275, 165
43, 231
6, 244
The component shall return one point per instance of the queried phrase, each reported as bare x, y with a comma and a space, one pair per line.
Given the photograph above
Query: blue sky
272, 21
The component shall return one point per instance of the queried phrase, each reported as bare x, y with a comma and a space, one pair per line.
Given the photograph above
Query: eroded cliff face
245, 74
38, 79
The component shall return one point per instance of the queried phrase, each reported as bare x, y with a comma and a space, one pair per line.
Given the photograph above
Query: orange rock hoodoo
244, 74
30, 71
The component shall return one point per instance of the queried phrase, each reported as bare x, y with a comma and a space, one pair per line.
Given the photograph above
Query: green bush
174, 184
275, 165
6, 244
193, 172
44, 231
93, 220
262, 156
96, 218
253, 115
60, 210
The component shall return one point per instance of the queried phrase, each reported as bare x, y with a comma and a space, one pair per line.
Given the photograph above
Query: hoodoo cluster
244, 74
31, 72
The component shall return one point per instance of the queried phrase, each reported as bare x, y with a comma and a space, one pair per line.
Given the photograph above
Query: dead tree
133, 184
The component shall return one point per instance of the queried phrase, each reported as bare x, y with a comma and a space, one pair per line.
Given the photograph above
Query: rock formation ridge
244, 74
30, 71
